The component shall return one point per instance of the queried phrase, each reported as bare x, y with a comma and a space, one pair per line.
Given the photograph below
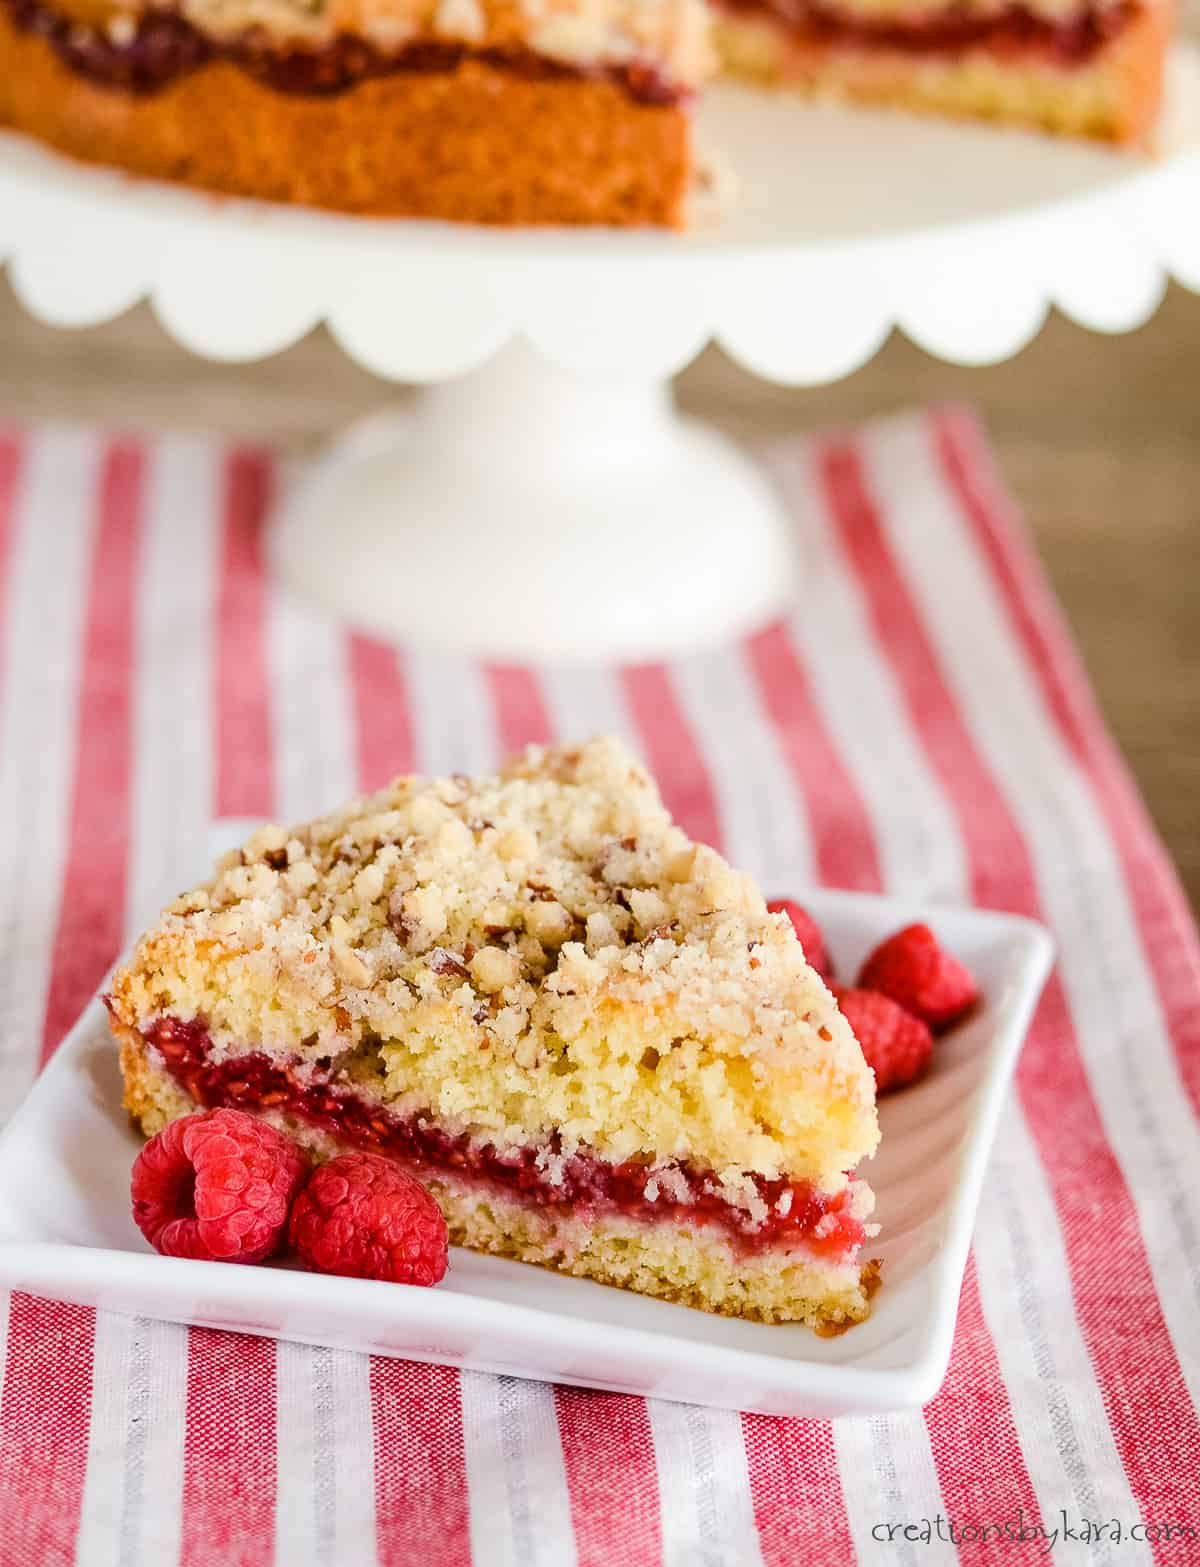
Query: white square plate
66, 1230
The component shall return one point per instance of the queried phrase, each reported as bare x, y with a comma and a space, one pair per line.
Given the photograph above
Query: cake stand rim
423, 302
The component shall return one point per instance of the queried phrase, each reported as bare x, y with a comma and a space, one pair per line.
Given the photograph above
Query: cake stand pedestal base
527, 512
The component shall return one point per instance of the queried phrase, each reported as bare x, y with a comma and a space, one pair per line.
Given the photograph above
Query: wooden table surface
1099, 438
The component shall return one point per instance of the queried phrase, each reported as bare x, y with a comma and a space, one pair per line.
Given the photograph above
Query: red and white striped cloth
921, 724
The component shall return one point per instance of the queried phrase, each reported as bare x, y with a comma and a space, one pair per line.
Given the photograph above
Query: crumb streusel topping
672, 35
537, 952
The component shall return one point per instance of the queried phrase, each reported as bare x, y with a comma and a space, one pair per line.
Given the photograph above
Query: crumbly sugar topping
670, 36
538, 951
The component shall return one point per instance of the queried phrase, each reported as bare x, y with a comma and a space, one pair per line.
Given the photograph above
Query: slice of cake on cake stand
542, 498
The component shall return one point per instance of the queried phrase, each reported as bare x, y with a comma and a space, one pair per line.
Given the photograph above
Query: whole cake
530, 111
583, 1033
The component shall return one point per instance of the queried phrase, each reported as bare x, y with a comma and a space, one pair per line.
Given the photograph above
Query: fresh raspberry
898, 1046
808, 934
217, 1187
360, 1215
921, 975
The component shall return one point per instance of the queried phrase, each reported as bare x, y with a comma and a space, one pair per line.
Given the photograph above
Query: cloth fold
921, 724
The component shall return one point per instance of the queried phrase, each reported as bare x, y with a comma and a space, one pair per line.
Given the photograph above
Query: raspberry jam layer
164, 46
1011, 32
796, 1212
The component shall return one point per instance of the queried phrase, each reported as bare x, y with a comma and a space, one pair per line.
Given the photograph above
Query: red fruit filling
797, 1213
1013, 31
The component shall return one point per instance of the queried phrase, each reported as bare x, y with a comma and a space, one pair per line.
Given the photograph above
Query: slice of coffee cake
583, 1032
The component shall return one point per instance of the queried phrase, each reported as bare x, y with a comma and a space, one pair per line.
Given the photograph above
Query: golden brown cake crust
476, 143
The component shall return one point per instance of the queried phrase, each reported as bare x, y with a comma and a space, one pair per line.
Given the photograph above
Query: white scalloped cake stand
541, 498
